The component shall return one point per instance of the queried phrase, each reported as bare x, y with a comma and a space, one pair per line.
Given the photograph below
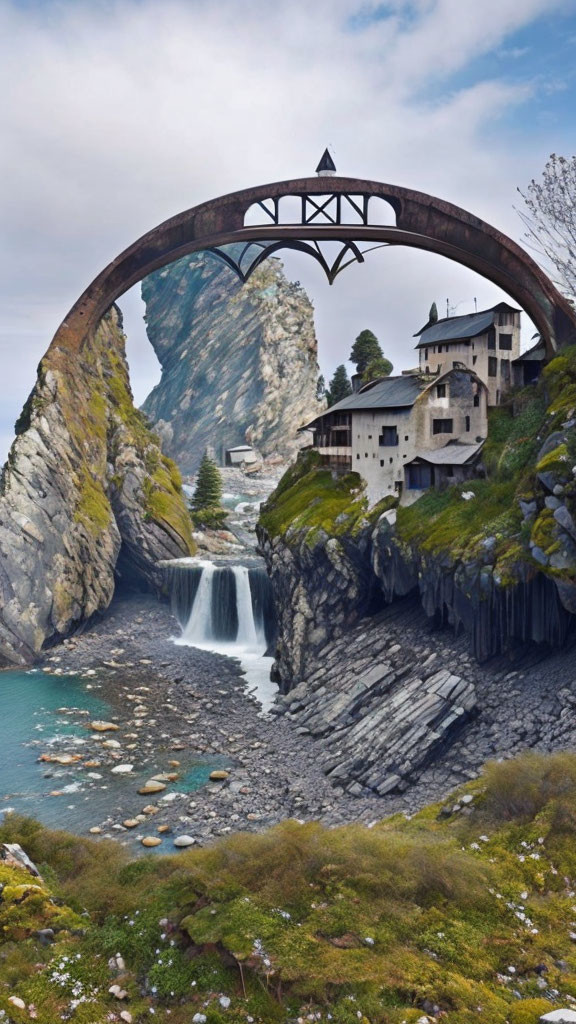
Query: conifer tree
365, 349
377, 368
340, 386
321, 388
433, 314
208, 490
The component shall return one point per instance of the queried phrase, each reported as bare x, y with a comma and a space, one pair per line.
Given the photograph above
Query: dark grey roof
449, 455
455, 327
537, 352
390, 393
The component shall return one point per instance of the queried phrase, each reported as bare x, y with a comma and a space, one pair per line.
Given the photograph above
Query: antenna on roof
447, 307
475, 305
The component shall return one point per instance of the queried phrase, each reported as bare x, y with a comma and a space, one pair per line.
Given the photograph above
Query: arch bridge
336, 220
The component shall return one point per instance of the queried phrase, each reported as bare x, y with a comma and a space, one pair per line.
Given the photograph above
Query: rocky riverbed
176, 706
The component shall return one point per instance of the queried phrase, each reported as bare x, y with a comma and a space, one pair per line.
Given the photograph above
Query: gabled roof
536, 353
454, 327
389, 393
450, 455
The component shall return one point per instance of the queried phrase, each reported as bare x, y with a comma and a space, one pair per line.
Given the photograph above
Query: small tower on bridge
326, 168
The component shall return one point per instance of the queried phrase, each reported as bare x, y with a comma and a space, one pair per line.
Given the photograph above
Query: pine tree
365, 349
321, 388
433, 314
340, 386
376, 369
208, 490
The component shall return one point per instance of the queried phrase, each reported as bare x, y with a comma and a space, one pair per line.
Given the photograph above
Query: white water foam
248, 647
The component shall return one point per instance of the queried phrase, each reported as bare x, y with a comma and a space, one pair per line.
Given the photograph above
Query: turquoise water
30, 725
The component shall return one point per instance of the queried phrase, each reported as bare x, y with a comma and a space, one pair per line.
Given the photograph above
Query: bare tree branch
550, 219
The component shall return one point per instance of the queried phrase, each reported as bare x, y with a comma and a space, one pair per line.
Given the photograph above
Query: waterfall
198, 629
246, 635
221, 604
228, 610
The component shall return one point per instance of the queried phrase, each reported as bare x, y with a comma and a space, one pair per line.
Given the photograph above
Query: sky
117, 114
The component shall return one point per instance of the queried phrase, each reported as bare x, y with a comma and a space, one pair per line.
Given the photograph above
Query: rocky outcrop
382, 714
86, 496
495, 558
315, 535
239, 362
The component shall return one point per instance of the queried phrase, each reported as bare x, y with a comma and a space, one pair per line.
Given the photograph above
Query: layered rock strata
382, 716
85, 496
239, 361
495, 557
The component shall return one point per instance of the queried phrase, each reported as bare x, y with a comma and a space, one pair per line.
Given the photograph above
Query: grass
466, 911
310, 500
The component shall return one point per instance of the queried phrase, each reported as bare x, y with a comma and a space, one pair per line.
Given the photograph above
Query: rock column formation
85, 496
239, 362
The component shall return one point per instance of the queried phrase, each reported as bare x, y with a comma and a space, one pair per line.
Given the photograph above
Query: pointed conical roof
326, 163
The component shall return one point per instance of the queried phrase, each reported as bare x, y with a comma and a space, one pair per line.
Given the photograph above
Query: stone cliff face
239, 362
86, 497
495, 557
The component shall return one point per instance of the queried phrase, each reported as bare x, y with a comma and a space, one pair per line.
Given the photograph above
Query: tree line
370, 362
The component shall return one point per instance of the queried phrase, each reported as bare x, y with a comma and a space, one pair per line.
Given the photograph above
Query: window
389, 437
477, 400
405, 437
492, 339
369, 437
467, 424
381, 462
365, 455
391, 459
425, 353
449, 470
505, 342
418, 477
492, 366
474, 358
506, 318
441, 391
442, 426
505, 369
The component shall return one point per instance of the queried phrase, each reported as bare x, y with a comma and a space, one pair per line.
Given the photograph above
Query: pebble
20, 1004
152, 787
104, 727
96, 830
183, 841
122, 769
219, 775
150, 841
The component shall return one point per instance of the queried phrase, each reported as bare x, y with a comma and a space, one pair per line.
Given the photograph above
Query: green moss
93, 508
310, 498
554, 461
362, 924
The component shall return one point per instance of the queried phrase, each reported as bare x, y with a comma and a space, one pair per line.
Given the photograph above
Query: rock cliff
86, 496
495, 557
239, 362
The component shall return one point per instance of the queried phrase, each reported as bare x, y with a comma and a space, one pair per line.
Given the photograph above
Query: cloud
121, 113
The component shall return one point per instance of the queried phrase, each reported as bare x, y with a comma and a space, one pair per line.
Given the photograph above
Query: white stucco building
487, 342
390, 430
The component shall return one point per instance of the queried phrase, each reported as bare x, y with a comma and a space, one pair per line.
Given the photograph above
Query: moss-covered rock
86, 495
459, 917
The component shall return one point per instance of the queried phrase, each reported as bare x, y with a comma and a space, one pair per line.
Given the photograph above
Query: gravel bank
184, 705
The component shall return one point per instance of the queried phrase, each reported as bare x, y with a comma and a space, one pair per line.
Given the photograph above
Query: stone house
488, 342
388, 430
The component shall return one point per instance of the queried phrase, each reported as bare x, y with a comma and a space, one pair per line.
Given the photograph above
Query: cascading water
228, 610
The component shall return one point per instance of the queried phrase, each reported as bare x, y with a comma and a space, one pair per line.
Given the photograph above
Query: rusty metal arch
422, 221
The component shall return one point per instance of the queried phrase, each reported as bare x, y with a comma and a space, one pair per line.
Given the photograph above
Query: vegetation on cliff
309, 498
529, 436
466, 912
